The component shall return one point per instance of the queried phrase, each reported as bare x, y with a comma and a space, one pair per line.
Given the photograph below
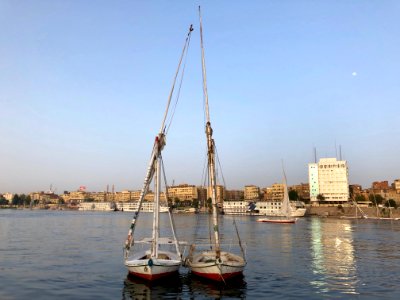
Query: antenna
315, 154
340, 152
335, 150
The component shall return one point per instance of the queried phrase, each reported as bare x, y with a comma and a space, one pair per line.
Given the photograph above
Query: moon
354, 73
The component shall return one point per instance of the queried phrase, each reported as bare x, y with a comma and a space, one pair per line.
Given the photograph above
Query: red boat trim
276, 221
217, 276
151, 276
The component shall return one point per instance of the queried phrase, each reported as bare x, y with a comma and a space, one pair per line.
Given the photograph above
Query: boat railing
228, 246
161, 240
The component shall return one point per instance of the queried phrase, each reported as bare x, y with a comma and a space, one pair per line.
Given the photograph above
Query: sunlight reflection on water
333, 256
78, 255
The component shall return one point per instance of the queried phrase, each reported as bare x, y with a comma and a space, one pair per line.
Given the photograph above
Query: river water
78, 255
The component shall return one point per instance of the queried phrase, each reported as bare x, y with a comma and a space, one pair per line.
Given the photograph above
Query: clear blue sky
83, 87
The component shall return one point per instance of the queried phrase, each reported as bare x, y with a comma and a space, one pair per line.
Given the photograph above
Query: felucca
215, 264
286, 209
161, 255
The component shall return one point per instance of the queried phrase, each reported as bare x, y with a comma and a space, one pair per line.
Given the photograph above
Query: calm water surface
78, 255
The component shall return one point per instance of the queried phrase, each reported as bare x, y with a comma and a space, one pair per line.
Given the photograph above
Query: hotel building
330, 178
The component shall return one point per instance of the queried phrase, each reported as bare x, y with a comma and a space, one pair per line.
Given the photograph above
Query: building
45, 197
396, 185
183, 192
386, 191
313, 181
202, 196
8, 197
329, 178
275, 192
251, 192
380, 185
355, 189
220, 193
234, 195
302, 190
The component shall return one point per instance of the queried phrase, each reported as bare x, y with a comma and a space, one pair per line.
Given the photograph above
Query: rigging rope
170, 210
219, 164
180, 86
233, 216
157, 148
162, 129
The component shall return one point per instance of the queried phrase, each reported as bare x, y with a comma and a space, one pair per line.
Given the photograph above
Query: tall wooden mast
210, 148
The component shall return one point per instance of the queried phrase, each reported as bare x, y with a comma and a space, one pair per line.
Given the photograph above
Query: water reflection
135, 288
235, 288
176, 286
333, 260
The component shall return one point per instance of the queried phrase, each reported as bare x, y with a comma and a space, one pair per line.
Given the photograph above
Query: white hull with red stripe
151, 268
207, 266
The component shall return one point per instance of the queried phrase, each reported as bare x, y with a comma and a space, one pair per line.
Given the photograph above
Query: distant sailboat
378, 216
362, 215
214, 264
286, 209
162, 256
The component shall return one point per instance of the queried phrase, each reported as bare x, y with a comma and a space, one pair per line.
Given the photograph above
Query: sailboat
378, 216
214, 264
161, 255
286, 209
363, 215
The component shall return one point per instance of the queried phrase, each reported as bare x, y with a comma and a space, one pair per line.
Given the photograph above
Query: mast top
203, 67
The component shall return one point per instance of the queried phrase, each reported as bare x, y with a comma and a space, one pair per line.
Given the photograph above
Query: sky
84, 85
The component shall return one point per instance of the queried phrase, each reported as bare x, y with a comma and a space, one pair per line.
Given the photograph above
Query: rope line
180, 86
162, 129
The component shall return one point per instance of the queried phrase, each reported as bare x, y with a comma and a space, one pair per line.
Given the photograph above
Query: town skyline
110, 187
83, 89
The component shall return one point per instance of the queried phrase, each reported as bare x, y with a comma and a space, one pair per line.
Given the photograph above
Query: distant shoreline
312, 211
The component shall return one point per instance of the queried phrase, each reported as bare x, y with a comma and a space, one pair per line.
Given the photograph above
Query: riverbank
318, 211
350, 211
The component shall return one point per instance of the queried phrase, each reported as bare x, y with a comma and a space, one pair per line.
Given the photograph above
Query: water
78, 255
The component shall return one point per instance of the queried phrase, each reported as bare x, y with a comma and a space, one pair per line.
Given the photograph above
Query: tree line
17, 200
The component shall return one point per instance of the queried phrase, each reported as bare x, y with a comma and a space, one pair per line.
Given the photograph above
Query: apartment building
380, 185
274, 192
234, 195
302, 189
251, 192
183, 192
329, 177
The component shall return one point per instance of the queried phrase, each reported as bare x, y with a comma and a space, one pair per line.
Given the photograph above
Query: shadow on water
183, 286
234, 288
135, 288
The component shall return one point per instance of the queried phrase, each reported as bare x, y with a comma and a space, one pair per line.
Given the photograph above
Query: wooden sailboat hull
279, 221
206, 266
153, 268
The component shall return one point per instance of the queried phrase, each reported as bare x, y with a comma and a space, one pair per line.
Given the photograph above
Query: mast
286, 201
159, 144
156, 211
210, 148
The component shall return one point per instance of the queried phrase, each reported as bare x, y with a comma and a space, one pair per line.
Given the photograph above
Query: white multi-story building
313, 181
330, 178
396, 185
